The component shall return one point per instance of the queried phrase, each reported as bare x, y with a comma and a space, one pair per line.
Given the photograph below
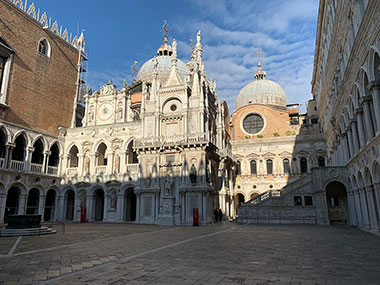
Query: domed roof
261, 91
164, 66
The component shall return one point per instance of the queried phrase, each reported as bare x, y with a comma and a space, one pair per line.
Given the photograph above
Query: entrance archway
70, 199
130, 205
33, 202
239, 199
11, 205
49, 205
337, 206
99, 204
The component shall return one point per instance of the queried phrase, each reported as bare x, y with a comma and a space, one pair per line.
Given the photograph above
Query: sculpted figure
169, 185
193, 174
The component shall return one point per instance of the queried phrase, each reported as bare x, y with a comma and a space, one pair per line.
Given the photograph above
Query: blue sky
123, 31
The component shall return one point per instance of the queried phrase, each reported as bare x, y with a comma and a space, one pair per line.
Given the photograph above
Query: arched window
38, 153
6, 55
131, 154
269, 166
73, 157
3, 142
321, 161
303, 164
286, 166
18, 152
54, 155
101, 154
253, 167
44, 47
238, 168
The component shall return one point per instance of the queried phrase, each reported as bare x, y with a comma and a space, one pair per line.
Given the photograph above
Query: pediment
269, 154
285, 153
252, 155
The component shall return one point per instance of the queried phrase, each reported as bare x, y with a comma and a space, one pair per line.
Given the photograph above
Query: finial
165, 31
174, 48
125, 83
199, 37
259, 54
110, 82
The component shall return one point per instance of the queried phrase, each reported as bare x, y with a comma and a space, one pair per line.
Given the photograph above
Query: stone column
359, 115
123, 166
344, 149
45, 161
21, 204
351, 208
28, 158
61, 211
364, 207
374, 88
377, 195
41, 206
367, 117
353, 123
350, 141
80, 164
204, 207
138, 207
89, 206
110, 162
120, 207
371, 208
3, 200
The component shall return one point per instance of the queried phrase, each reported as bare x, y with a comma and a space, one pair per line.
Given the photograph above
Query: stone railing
2, 162
72, 171
35, 167
132, 168
101, 169
52, 170
17, 165
170, 140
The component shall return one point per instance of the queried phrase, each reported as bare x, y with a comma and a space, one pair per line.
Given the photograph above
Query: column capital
374, 85
366, 99
358, 111
353, 121
369, 188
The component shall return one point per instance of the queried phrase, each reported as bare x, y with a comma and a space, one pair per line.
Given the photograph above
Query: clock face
105, 111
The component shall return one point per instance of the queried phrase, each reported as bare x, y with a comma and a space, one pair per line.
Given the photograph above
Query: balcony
132, 168
52, 170
2, 162
72, 171
17, 165
101, 169
36, 168
174, 140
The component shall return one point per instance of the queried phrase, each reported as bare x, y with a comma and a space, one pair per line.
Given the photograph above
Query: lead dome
261, 91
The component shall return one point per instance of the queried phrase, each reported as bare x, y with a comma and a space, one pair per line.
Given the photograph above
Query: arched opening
11, 204
49, 205
73, 157
37, 156
254, 195
70, 200
269, 166
286, 166
239, 199
53, 159
43, 47
321, 161
131, 154
376, 66
253, 167
371, 110
303, 165
130, 205
336, 196
238, 168
3, 142
33, 202
101, 155
99, 204
18, 152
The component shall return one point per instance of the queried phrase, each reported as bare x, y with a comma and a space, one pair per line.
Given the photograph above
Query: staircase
26, 232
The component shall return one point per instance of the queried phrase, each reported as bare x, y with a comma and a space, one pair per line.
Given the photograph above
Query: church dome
164, 67
164, 58
261, 91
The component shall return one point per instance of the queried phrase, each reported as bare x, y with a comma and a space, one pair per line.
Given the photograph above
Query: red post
195, 217
83, 215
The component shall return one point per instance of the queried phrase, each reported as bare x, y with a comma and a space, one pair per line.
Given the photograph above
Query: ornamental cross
259, 54
165, 29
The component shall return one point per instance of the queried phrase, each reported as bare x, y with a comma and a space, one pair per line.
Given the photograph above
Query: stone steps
26, 232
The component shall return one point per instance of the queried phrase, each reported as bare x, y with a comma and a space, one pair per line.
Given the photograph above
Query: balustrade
132, 168
101, 169
17, 165
35, 167
52, 170
72, 171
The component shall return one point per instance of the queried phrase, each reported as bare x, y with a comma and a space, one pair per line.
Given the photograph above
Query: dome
164, 67
261, 91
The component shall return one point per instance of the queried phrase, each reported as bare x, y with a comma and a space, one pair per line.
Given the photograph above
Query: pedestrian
216, 214
220, 214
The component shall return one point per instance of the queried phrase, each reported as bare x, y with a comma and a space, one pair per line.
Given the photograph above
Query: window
3, 60
286, 166
321, 161
297, 201
253, 167
269, 166
44, 47
308, 200
253, 124
303, 164
6, 53
238, 168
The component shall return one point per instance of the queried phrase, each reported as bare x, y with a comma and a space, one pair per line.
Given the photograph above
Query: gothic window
73, 157
5, 65
101, 154
253, 123
253, 167
286, 166
303, 164
19, 151
238, 168
44, 47
269, 166
38, 155
321, 161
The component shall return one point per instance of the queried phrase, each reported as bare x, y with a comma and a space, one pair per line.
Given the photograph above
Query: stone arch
44, 47
7, 133
73, 156
22, 133
43, 140
39, 146
173, 99
98, 209
130, 203
69, 203
33, 200
374, 61
367, 177
55, 142
99, 142
253, 194
337, 203
360, 180
55, 152
376, 172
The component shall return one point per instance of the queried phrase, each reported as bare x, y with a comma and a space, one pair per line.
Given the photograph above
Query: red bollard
83, 215
195, 217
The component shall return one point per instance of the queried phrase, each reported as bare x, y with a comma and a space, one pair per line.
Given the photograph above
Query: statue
125, 83
155, 63
193, 174
199, 37
83, 199
208, 174
113, 200
87, 163
91, 114
169, 185
174, 47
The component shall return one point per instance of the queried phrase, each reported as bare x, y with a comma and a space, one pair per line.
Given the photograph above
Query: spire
165, 49
260, 74
198, 47
174, 79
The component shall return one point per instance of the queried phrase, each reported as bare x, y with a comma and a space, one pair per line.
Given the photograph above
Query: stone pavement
98, 253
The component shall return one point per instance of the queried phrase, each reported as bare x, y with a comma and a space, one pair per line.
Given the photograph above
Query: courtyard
224, 253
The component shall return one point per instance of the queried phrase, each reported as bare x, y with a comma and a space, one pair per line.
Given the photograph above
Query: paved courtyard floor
224, 253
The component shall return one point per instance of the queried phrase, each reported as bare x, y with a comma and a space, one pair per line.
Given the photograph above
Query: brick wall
41, 90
